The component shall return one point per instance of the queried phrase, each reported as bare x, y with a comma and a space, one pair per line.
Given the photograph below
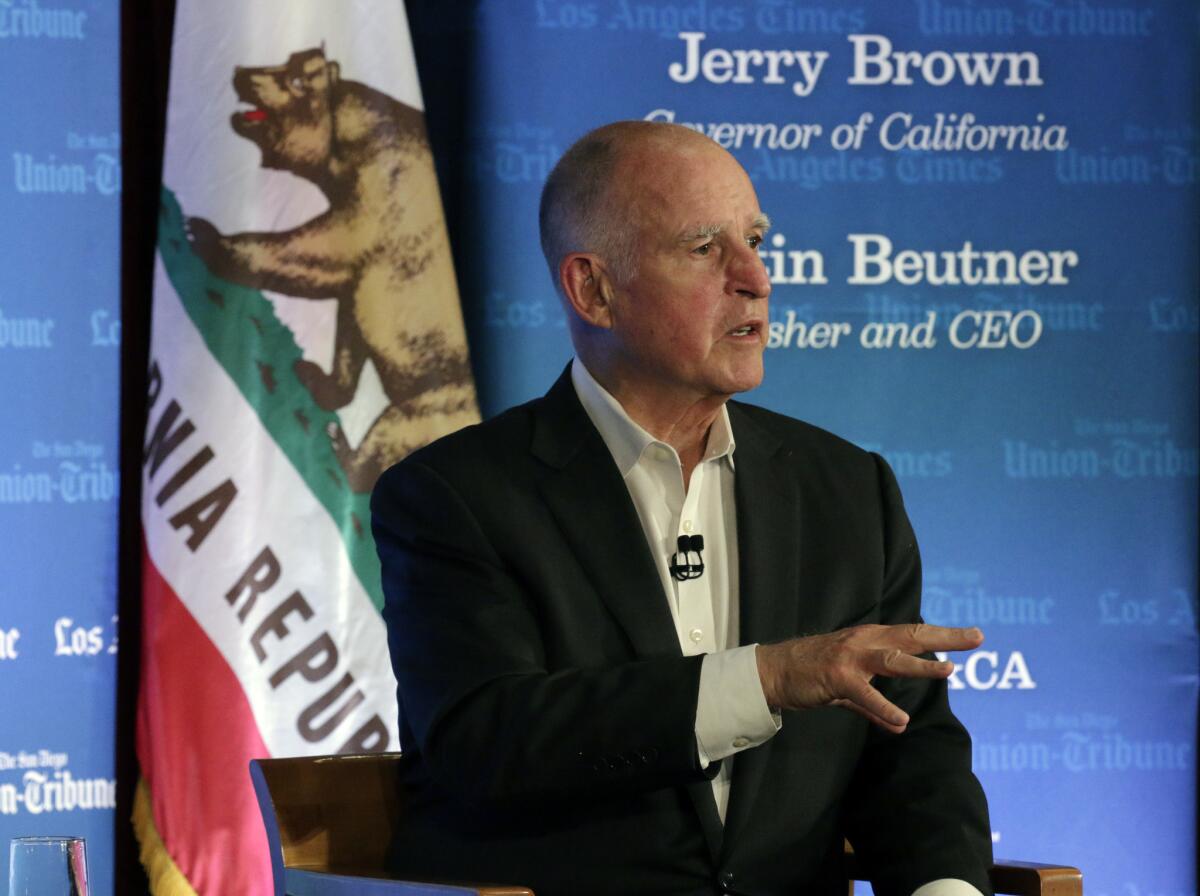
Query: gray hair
580, 210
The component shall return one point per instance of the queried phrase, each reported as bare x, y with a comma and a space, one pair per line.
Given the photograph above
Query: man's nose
748, 274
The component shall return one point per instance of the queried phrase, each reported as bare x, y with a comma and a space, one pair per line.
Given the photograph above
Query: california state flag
306, 335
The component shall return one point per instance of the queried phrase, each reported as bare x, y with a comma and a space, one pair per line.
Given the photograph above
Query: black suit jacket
547, 713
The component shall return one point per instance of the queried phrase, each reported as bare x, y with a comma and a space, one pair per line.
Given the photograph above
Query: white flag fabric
306, 334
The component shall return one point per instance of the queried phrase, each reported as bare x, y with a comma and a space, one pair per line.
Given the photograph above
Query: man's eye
702, 250
754, 240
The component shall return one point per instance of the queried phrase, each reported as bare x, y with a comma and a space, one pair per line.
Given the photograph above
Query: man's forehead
661, 174
679, 147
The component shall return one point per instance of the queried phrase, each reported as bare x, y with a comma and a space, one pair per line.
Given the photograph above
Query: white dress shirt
731, 713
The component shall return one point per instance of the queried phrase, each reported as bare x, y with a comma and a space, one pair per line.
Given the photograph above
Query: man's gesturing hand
836, 669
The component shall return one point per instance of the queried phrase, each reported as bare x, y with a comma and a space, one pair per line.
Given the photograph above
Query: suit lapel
769, 533
591, 503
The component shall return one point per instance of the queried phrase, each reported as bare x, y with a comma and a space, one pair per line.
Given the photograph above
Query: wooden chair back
332, 817
326, 812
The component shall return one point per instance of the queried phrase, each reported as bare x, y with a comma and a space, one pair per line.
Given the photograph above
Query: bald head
585, 209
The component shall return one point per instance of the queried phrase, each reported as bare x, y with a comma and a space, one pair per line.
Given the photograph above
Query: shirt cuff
947, 886
732, 713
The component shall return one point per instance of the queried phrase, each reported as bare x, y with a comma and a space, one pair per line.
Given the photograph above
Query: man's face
691, 322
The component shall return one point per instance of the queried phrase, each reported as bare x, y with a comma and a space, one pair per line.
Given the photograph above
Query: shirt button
697, 635
687, 526
740, 743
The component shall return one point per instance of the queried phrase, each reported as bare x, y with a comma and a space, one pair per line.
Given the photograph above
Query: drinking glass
47, 866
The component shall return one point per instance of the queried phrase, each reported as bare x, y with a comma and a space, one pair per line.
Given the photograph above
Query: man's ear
587, 288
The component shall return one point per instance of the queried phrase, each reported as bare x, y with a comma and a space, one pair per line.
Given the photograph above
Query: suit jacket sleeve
915, 812
492, 720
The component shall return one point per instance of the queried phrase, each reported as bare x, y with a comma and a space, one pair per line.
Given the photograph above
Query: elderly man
591, 706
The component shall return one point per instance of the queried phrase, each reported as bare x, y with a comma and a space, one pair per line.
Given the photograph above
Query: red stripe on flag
195, 737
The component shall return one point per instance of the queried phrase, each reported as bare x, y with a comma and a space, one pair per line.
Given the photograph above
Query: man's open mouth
253, 114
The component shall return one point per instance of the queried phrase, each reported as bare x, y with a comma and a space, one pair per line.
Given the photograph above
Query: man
581, 712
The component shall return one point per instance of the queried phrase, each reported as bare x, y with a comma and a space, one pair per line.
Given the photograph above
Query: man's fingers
820, 669
872, 705
895, 663
919, 637
870, 717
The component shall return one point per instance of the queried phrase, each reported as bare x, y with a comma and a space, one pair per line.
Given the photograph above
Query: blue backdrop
60, 183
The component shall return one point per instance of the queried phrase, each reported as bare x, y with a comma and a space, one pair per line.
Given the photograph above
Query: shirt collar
625, 438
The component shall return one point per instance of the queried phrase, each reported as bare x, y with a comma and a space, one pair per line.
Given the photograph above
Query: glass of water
47, 866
